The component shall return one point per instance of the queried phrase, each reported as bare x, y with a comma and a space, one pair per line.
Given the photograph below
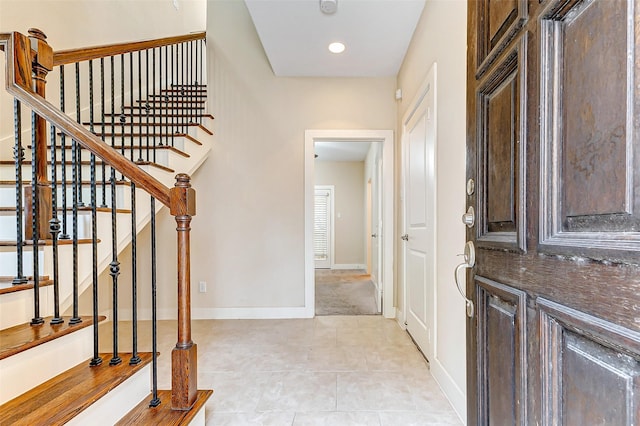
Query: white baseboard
252, 313
348, 266
455, 395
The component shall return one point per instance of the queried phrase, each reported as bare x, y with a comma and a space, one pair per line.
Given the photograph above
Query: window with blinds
321, 229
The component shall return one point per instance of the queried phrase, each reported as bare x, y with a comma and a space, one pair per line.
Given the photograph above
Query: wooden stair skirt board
163, 414
69, 397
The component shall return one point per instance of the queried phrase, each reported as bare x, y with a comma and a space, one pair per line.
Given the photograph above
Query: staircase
97, 162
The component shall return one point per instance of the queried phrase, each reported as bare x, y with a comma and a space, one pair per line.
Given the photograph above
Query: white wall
441, 37
248, 235
349, 212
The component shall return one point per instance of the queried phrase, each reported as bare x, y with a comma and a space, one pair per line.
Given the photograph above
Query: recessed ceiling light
336, 47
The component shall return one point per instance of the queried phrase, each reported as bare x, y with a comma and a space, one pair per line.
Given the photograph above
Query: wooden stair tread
58, 400
129, 147
7, 286
165, 135
188, 85
82, 209
13, 243
84, 182
156, 107
143, 415
22, 337
140, 114
98, 163
173, 101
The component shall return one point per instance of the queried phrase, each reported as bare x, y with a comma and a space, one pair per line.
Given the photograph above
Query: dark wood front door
553, 145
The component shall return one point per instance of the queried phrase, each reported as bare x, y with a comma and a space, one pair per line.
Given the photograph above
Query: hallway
330, 370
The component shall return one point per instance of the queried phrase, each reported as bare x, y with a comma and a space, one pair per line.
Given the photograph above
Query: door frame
388, 231
429, 83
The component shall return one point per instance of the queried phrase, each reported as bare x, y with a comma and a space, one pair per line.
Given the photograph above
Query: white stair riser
17, 307
39, 364
8, 262
8, 195
8, 231
117, 403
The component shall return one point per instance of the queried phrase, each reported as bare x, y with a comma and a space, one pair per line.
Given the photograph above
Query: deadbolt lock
469, 218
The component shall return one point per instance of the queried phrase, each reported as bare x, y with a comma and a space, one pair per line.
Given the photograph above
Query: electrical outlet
203, 286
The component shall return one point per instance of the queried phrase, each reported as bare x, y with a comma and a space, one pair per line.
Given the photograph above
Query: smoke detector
328, 7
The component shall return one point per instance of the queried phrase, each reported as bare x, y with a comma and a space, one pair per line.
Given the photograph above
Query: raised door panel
501, 348
590, 369
499, 22
590, 130
500, 117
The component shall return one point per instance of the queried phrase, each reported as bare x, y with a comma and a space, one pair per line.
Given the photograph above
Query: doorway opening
362, 251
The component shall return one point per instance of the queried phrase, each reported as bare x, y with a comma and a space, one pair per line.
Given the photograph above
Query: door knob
374, 235
469, 218
405, 237
469, 262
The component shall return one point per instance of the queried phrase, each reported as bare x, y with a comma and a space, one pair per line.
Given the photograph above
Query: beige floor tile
249, 419
235, 392
418, 418
373, 391
395, 358
299, 392
331, 358
333, 370
337, 418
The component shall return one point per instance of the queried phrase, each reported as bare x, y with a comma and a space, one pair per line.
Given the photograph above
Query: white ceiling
295, 35
341, 151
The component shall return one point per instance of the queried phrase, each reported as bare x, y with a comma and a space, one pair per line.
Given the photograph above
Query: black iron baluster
18, 155
135, 359
140, 96
146, 95
193, 89
63, 161
123, 117
96, 360
155, 401
114, 269
174, 74
75, 319
132, 103
103, 132
168, 69
162, 84
35, 225
182, 98
54, 229
77, 145
154, 115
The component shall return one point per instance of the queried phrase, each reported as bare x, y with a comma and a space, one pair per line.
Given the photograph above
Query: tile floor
330, 370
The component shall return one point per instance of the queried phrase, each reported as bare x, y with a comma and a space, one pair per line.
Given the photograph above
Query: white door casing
387, 213
418, 149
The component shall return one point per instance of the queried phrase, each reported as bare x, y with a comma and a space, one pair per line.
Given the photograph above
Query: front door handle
469, 262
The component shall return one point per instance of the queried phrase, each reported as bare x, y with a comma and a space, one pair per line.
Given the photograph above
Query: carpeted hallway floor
344, 292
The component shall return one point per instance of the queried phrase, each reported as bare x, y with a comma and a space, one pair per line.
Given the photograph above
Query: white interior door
419, 241
323, 227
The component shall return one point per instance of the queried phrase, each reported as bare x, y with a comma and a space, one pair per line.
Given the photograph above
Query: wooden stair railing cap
95, 52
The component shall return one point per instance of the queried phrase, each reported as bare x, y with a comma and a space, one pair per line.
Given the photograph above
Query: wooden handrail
71, 56
74, 129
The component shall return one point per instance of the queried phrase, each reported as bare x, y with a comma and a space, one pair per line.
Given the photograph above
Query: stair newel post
41, 65
184, 355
